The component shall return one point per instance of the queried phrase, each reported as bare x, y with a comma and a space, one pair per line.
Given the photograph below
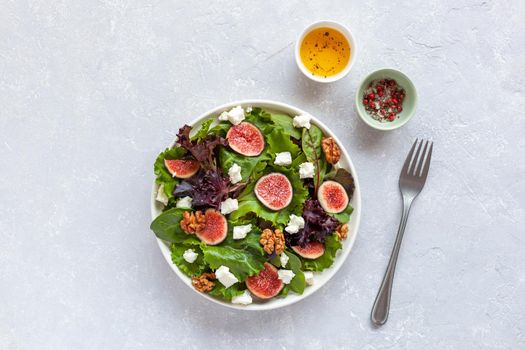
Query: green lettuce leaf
220, 291
220, 129
286, 123
249, 243
261, 119
203, 131
278, 142
242, 263
194, 269
332, 245
227, 158
266, 122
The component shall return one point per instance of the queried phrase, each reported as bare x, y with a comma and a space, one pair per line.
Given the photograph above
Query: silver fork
411, 182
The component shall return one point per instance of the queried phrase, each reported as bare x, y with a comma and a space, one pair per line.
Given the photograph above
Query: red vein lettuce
203, 150
318, 224
207, 189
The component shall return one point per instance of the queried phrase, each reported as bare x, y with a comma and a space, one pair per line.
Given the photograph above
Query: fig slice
274, 190
246, 139
182, 168
266, 284
215, 229
312, 250
332, 197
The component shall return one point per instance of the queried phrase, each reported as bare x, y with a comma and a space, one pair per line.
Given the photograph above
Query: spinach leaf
298, 283
344, 216
167, 227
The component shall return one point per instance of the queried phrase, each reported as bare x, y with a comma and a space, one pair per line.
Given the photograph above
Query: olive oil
325, 52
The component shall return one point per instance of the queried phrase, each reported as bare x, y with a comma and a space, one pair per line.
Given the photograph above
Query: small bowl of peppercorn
386, 99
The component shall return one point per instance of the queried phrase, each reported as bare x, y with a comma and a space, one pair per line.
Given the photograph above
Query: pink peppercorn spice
383, 100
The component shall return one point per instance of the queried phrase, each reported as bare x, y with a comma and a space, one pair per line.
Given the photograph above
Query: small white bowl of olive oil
325, 51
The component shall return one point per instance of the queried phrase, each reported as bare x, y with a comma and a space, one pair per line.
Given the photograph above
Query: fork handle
381, 306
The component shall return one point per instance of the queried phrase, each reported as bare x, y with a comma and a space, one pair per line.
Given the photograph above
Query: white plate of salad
256, 204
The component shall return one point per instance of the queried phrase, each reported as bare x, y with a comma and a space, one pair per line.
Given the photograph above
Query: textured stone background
90, 91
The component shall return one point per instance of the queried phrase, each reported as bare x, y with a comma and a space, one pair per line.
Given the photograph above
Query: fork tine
416, 159
409, 158
422, 159
427, 162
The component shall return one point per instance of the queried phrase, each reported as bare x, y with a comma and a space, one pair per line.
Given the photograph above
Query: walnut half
203, 283
192, 222
342, 231
331, 150
272, 241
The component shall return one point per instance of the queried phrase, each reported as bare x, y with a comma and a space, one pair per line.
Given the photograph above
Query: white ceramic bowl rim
320, 278
343, 29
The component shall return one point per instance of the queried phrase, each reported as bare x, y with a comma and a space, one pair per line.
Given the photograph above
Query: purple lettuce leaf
318, 225
203, 150
207, 189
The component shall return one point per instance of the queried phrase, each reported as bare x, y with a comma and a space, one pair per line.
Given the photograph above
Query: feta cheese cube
309, 277
235, 173
243, 299
184, 202
161, 195
224, 276
234, 115
229, 205
295, 224
306, 170
284, 259
302, 121
283, 158
286, 276
240, 232
190, 256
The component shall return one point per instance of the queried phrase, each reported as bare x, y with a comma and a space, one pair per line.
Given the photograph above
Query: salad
254, 204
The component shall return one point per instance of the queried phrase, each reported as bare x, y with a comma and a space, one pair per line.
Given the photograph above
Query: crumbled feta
295, 224
234, 116
229, 205
235, 173
161, 195
184, 202
284, 259
309, 277
283, 158
302, 121
240, 232
224, 276
243, 299
286, 275
190, 256
306, 170
249, 109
